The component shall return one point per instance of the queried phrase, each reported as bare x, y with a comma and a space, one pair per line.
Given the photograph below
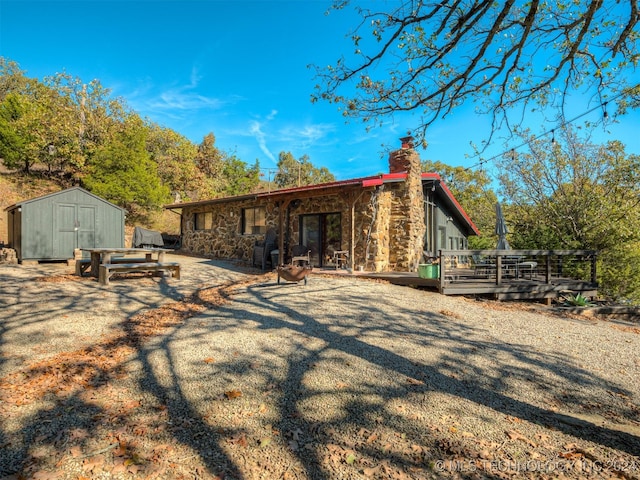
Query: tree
296, 173
175, 156
93, 115
577, 195
12, 79
431, 57
472, 190
123, 172
209, 159
13, 140
238, 177
36, 130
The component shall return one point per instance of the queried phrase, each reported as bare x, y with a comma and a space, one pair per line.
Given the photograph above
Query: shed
51, 227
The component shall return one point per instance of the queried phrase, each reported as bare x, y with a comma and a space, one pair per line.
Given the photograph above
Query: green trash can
429, 270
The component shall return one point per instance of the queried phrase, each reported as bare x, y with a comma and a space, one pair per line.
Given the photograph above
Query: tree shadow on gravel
269, 342
90, 419
454, 374
235, 386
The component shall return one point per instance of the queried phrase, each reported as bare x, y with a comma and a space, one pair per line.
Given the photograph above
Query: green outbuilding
52, 226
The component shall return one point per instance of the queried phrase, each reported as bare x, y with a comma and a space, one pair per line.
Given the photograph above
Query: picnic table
105, 261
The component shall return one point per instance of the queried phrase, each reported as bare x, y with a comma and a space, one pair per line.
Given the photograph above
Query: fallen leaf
209, 360
93, 462
414, 381
239, 439
42, 475
265, 442
231, 394
371, 471
131, 405
75, 451
515, 435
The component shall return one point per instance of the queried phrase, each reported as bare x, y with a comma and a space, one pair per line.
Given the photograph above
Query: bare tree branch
429, 57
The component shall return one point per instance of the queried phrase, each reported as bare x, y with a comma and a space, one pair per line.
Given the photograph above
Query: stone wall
224, 239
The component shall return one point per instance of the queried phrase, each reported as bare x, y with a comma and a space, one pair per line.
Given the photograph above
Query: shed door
75, 226
87, 226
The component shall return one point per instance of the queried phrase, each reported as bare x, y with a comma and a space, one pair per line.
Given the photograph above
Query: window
254, 220
203, 220
442, 245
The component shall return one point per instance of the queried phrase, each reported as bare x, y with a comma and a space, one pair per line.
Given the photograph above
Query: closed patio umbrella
501, 229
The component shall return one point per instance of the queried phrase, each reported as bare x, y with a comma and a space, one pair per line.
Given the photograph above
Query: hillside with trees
62, 132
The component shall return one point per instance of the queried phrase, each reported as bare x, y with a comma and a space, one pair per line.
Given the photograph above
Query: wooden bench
108, 269
84, 264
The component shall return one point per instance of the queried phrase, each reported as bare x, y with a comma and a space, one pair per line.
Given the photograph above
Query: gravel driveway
341, 378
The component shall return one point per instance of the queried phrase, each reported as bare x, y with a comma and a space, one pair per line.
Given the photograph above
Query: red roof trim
374, 182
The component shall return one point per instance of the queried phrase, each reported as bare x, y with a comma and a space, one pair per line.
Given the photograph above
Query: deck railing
500, 266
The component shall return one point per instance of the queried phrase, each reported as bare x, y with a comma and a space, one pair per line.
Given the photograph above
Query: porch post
284, 204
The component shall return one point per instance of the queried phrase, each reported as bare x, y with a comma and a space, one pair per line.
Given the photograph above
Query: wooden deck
549, 279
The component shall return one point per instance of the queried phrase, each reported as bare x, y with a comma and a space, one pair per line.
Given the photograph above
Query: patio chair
262, 249
300, 255
299, 266
524, 268
482, 267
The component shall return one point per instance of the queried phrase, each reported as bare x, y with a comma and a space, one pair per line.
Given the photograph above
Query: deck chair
262, 249
482, 267
526, 268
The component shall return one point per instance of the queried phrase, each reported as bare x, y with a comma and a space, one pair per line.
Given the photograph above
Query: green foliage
12, 79
577, 195
12, 140
619, 273
297, 173
239, 178
175, 158
472, 190
123, 173
578, 300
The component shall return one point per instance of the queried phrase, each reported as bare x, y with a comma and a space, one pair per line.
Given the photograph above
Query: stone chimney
407, 213
400, 160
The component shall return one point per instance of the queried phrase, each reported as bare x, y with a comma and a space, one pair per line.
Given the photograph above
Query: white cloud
255, 129
306, 136
272, 115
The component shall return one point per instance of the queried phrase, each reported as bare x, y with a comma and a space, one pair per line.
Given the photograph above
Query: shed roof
363, 182
53, 194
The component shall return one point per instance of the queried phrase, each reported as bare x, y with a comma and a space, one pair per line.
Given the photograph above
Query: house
52, 226
383, 222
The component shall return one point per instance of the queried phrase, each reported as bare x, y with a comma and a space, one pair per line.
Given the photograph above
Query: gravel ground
341, 378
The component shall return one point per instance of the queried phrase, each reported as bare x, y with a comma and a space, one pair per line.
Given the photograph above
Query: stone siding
225, 238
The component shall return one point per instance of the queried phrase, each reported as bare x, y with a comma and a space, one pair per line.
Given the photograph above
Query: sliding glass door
322, 234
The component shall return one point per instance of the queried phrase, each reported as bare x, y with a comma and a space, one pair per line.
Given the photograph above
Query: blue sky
237, 68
